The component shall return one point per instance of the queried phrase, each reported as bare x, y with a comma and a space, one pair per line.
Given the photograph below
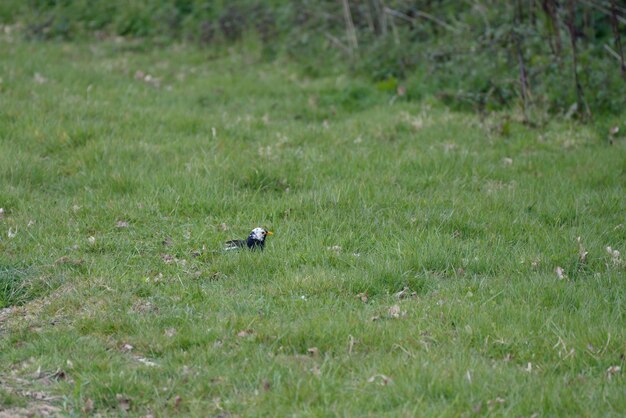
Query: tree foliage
545, 56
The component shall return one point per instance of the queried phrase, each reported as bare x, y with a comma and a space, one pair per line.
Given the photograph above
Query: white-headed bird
256, 240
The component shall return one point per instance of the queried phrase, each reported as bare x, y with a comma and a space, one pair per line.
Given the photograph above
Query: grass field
124, 168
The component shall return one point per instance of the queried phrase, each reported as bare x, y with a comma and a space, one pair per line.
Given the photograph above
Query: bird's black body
256, 240
251, 243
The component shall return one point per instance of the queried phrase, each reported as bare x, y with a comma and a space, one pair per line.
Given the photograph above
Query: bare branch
603, 9
430, 17
612, 52
617, 38
523, 75
350, 31
338, 43
580, 97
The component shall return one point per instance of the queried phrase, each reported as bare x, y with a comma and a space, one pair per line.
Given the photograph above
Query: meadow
424, 262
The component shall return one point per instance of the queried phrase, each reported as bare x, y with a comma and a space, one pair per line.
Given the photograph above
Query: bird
256, 240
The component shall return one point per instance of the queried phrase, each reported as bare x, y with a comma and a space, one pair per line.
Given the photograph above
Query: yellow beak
270, 233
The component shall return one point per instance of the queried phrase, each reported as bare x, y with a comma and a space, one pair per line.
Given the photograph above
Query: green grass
365, 194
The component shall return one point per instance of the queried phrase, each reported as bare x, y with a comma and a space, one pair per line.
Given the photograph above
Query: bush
466, 53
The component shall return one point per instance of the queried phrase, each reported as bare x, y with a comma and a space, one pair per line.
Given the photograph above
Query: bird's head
259, 234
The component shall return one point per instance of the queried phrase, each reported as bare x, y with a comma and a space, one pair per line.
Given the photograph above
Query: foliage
468, 53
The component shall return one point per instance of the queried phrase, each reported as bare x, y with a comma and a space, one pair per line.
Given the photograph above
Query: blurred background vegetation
541, 57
